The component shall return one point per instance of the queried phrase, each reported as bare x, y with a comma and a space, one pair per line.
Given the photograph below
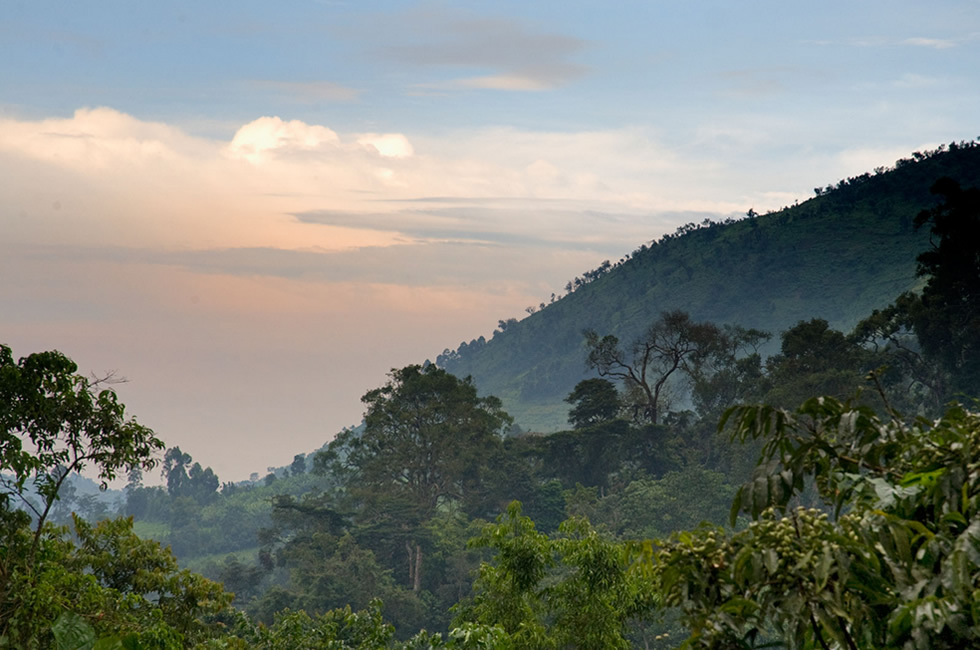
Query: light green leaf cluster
579, 589
899, 568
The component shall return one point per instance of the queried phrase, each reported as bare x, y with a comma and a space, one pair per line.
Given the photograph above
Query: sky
253, 211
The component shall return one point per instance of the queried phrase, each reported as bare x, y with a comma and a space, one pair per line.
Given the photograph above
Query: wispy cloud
525, 224
488, 53
759, 82
934, 43
913, 41
911, 80
308, 92
877, 41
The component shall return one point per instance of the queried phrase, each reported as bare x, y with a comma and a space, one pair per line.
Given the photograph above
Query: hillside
837, 256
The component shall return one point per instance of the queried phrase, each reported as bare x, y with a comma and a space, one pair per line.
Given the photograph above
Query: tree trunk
417, 585
414, 566
411, 562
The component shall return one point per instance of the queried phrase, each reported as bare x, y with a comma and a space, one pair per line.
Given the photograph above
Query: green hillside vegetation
838, 256
715, 486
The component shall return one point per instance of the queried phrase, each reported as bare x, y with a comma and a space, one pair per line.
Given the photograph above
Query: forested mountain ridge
847, 251
854, 526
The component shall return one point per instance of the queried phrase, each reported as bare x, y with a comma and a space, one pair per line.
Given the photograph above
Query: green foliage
426, 433
342, 629
595, 456
947, 321
186, 480
347, 629
731, 373
298, 466
793, 580
899, 568
327, 567
147, 577
913, 381
676, 352
427, 444
576, 590
52, 423
671, 344
112, 583
72, 632
594, 401
648, 508
507, 592
815, 359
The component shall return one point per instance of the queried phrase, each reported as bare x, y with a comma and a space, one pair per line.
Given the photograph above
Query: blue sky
253, 210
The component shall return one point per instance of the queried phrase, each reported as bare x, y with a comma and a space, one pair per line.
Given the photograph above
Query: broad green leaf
72, 632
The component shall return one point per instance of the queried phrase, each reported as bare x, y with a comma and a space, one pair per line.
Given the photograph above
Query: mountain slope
838, 256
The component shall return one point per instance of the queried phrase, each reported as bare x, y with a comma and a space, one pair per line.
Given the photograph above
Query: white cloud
266, 134
935, 43
94, 139
389, 145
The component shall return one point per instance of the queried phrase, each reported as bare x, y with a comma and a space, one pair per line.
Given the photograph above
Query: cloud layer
110, 178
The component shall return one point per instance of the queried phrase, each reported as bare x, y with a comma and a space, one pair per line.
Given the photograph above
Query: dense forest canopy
722, 485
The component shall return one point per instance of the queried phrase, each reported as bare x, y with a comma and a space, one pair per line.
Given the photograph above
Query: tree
202, 483
53, 423
648, 508
732, 373
186, 480
298, 466
594, 401
673, 343
175, 463
815, 359
947, 321
128, 566
426, 436
107, 585
578, 589
889, 558
913, 380
425, 433
943, 357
